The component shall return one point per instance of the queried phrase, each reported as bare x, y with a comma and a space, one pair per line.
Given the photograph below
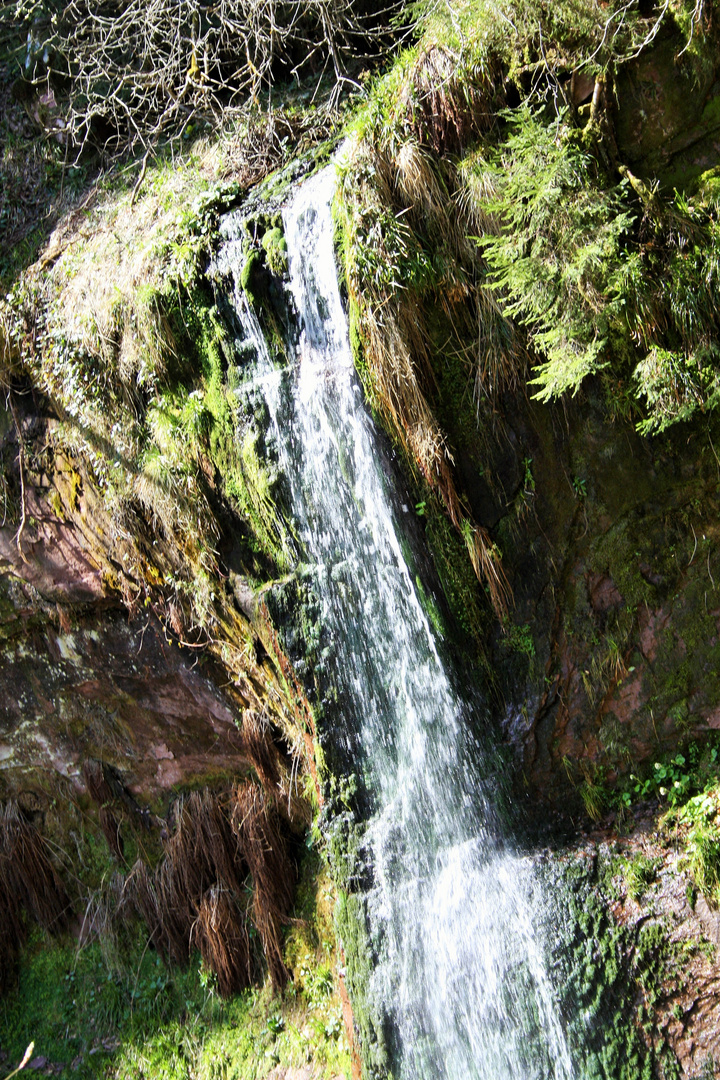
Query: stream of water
452, 908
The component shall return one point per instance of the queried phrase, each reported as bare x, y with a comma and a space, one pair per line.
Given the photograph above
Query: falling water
452, 908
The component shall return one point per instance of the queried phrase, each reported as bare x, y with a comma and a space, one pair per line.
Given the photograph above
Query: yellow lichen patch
57, 505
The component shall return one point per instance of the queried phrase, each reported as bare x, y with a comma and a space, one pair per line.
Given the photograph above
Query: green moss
352, 930
57, 505
459, 583
249, 278
275, 246
603, 967
688, 652
100, 1009
432, 611
211, 416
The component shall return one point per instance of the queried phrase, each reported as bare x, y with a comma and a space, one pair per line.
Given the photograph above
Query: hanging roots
203, 850
102, 795
220, 933
29, 884
260, 750
196, 895
257, 826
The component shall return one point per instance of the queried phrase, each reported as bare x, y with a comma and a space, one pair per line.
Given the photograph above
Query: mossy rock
252, 279
275, 246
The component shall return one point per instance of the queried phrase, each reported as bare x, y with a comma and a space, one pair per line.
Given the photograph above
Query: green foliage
70, 1003
696, 823
682, 778
554, 260
672, 289
388, 255
519, 639
520, 32
137, 1018
688, 783
639, 873
593, 281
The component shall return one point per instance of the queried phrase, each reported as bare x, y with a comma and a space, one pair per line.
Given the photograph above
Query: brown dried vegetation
29, 886
391, 290
257, 825
447, 106
199, 893
221, 934
101, 794
261, 750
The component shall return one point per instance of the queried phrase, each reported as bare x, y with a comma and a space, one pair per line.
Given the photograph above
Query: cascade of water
460, 969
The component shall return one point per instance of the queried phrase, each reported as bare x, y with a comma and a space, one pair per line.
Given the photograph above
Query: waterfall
453, 908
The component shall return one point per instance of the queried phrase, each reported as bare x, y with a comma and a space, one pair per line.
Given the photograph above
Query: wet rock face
81, 674
613, 560
97, 683
667, 120
632, 901
104, 686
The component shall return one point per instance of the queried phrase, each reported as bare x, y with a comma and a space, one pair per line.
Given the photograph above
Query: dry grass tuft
29, 886
8, 348
12, 926
257, 825
102, 795
142, 893
155, 899
176, 911
261, 751
448, 107
204, 850
221, 934
198, 893
111, 831
27, 872
94, 776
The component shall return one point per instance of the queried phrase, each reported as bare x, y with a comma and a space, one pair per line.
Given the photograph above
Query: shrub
129, 74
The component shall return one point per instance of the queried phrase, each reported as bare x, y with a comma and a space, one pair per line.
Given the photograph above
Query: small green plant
703, 850
675, 779
579, 486
276, 1024
519, 639
639, 873
528, 478
594, 797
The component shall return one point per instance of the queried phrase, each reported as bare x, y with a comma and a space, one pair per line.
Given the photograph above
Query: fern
554, 259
